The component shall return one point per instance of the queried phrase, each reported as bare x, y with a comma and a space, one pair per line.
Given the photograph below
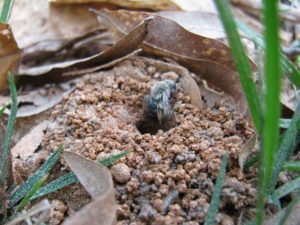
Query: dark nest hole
146, 125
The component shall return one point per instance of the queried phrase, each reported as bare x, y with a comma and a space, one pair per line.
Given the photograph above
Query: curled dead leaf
97, 180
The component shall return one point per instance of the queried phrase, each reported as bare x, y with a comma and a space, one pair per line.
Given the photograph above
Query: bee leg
160, 114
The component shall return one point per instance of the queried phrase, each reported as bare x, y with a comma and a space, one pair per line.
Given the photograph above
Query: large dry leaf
9, 54
39, 21
97, 180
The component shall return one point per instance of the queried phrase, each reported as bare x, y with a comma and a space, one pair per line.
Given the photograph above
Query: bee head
171, 84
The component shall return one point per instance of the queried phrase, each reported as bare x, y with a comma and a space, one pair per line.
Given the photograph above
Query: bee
157, 104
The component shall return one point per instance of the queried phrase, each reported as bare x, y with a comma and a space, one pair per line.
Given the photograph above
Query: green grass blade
287, 188
6, 9
292, 166
9, 130
2, 109
214, 203
31, 181
273, 81
287, 146
271, 104
241, 61
284, 123
55, 185
287, 66
251, 162
33, 190
70, 177
110, 160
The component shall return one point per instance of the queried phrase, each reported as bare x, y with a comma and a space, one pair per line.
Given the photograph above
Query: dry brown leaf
97, 180
136, 4
10, 54
44, 21
30, 142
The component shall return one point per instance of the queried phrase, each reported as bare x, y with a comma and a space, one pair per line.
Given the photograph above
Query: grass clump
275, 151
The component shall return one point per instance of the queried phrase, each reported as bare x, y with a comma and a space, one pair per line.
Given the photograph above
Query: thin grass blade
6, 9
287, 146
271, 104
110, 160
10, 127
26, 199
214, 203
31, 181
273, 83
55, 185
293, 166
2, 109
241, 61
251, 162
287, 188
284, 123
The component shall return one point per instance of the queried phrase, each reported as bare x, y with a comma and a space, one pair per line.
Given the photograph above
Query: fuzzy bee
157, 104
